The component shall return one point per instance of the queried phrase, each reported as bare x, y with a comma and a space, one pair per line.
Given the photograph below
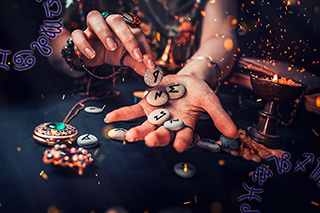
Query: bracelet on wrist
72, 57
213, 64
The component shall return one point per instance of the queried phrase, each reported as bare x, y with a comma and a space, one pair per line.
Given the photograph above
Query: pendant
52, 133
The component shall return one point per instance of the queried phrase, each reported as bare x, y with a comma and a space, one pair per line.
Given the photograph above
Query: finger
138, 67
80, 41
183, 139
139, 132
221, 119
148, 58
121, 29
98, 25
128, 112
160, 137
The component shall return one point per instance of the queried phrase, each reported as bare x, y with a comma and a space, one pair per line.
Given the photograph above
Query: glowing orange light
18, 149
275, 78
185, 167
213, 1
203, 13
158, 36
314, 203
53, 132
234, 21
318, 101
221, 162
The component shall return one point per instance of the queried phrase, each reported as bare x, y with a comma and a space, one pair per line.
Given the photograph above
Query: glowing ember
221, 162
282, 80
188, 202
314, 203
275, 78
185, 167
318, 101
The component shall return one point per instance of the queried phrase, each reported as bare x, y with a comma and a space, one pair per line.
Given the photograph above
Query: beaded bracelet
72, 58
212, 63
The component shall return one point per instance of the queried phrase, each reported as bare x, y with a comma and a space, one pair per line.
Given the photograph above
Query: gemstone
57, 126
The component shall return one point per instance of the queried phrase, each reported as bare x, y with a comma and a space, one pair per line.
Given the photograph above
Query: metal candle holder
274, 93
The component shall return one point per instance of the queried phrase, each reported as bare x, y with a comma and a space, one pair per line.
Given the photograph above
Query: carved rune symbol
86, 137
155, 75
158, 94
158, 117
173, 88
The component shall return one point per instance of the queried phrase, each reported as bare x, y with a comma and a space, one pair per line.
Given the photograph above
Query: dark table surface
141, 179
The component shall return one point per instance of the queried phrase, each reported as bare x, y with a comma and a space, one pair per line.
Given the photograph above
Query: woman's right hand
106, 40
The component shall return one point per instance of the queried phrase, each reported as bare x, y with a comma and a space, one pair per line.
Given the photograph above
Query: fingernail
90, 53
106, 121
151, 64
111, 44
137, 54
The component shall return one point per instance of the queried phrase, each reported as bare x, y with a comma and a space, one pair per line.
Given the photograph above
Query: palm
198, 98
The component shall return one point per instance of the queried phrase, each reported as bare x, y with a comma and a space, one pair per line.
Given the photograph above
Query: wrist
204, 68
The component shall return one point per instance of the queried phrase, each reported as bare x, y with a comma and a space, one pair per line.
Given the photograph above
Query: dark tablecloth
142, 179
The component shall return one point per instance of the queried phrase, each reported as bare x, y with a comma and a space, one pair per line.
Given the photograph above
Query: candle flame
275, 78
185, 167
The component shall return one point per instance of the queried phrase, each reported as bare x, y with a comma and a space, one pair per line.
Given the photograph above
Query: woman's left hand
198, 98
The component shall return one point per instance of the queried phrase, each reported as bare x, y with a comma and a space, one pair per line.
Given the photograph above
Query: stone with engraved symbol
157, 97
159, 116
93, 109
87, 140
153, 77
175, 90
174, 125
118, 134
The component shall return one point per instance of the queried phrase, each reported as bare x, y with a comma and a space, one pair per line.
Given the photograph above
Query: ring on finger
105, 14
131, 19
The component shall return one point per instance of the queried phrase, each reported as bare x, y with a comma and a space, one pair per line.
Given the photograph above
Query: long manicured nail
137, 54
150, 64
90, 53
111, 44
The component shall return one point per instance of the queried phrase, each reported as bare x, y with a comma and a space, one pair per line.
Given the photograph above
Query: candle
138, 96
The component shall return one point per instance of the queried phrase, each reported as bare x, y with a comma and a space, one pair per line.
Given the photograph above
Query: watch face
52, 133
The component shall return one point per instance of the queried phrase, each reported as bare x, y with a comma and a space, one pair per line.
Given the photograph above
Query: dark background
134, 176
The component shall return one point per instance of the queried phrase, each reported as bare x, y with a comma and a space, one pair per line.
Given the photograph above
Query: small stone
157, 97
174, 125
87, 141
117, 134
159, 116
209, 144
175, 91
153, 77
93, 109
229, 143
185, 170
204, 116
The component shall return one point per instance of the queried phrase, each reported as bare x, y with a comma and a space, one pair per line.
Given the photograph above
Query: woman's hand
198, 98
106, 40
